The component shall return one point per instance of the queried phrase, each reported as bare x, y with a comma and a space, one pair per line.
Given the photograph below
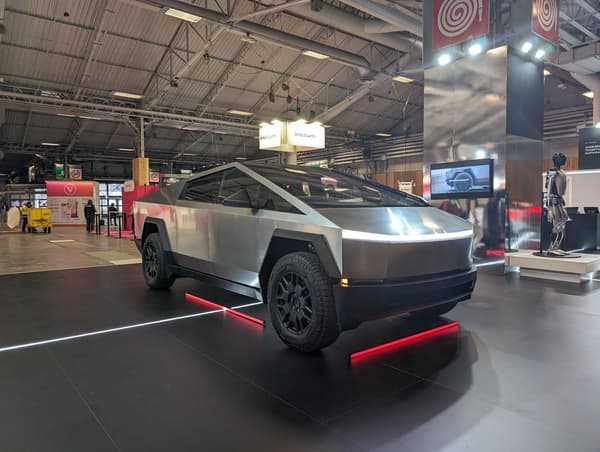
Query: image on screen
462, 179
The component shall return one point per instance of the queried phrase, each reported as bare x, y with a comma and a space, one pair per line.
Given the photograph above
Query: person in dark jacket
112, 213
89, 211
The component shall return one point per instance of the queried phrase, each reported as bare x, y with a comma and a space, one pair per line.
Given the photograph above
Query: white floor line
121, 328
489, 264
136, 260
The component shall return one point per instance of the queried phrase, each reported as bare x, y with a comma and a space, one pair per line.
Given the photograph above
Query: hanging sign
457, 21
154, 177
545, 19
59, 171
294, 136
75, 172
128, 186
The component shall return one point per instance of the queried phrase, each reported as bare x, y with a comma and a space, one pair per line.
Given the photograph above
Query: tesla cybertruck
325, 250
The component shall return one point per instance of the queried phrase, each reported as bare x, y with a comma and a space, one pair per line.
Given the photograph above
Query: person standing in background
24, 215
89, 211
112, 213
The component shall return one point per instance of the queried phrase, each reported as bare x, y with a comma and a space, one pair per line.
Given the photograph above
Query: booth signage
545, 19
293, 136
59, 171
75, 172
66, 200
589, 148
457, 21
270, 136
128, 186
154, 177
306, 135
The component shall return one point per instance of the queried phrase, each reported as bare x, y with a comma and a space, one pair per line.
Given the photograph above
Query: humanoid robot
556, 186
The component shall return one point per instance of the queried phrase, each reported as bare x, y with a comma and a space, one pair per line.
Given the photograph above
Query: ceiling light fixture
402, 79
526, 47
239, 112
475, 49
313, 54
382, 134
127, 95
50, 144
540, 54
589, 94
178, 14
547, 73
444, 59
126, 149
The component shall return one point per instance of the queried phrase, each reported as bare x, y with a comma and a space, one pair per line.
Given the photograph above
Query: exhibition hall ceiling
205, 81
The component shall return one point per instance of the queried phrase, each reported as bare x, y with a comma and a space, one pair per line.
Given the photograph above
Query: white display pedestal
576, 270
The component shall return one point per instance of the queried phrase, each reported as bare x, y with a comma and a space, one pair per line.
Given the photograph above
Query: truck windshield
319, 187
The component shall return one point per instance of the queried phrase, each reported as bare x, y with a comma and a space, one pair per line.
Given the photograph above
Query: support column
141, 165
290, 158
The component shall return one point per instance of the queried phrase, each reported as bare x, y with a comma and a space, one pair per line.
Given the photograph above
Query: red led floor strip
403, 341
241, 315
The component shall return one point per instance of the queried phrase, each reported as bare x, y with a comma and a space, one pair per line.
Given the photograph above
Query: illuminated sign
270, 135
294, 136
457, 21
544, 19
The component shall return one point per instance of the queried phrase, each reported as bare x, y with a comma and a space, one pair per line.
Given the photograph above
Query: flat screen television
462, 179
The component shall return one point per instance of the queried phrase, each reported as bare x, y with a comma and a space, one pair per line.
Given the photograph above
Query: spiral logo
456, 16
547, 13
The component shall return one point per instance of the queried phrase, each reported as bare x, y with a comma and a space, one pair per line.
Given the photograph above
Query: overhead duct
591, 82
270, 35
389, 15
350, 23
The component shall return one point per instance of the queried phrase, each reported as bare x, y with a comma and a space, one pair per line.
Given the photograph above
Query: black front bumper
368, 301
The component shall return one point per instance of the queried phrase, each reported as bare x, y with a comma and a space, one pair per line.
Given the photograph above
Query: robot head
559, 159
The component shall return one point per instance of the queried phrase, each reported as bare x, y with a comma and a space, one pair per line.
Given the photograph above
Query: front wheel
301, 303
463, 182
154, 264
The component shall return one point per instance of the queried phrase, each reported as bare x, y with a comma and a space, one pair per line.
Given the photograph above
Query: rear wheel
431, 313
154, 264
301, 303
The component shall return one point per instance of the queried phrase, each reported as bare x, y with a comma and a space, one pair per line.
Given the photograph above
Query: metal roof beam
235, 128
95, 42
577, 25
269, 10
2, 5
161, 91
26, 131
589, 8
75, 136
569, 38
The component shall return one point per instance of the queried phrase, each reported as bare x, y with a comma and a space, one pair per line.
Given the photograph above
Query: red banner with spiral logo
545, 19
457, 21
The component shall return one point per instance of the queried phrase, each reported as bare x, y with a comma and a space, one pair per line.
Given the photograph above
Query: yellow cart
40, 218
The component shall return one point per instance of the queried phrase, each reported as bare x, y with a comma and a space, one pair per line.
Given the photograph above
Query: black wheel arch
156, 225
285, 242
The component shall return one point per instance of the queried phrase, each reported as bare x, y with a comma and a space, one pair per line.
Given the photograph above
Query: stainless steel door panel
232, 242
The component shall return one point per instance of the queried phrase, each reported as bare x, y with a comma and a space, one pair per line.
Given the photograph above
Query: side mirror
238, 199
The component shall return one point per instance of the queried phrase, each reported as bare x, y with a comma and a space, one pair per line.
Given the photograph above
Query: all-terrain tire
301, 303
154, 264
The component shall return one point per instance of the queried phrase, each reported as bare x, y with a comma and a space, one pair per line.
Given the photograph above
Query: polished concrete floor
64, 248
521, 374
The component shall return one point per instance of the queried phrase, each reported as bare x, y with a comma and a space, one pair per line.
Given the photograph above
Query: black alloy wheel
150, 261
463, 182
294, 303
301, 302
154, 264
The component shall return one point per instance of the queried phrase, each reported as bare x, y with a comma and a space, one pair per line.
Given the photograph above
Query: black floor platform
522, 373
